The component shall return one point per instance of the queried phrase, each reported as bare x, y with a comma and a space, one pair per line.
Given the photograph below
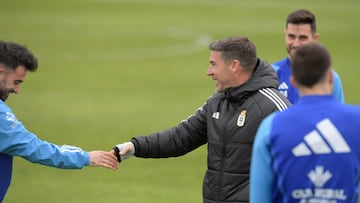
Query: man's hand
103, 159
124, 151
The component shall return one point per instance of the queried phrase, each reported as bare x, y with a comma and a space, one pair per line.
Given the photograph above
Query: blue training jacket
307, 154
15, 140
283, 70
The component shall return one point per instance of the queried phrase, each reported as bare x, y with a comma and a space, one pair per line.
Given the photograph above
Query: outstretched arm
15, 140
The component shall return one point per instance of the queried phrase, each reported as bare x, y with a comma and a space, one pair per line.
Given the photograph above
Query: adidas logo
11, 118
329, 140
318, 176
283, 86
216, 115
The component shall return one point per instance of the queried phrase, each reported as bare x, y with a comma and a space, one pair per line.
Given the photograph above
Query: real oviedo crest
241, 119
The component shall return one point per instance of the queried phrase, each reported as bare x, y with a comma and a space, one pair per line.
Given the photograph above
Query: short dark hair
310, 63
302, 16
237, 47
12, 55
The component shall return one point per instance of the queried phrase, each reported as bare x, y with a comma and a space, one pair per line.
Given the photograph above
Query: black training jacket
227, 122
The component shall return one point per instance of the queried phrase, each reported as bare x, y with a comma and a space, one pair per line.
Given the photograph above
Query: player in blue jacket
300, 29
310, 152
15, 140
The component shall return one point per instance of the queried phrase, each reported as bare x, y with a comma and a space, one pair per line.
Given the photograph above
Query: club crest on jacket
241, 119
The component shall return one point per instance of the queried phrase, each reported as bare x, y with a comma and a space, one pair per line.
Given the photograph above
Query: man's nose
297, 42
209, 72
16, 89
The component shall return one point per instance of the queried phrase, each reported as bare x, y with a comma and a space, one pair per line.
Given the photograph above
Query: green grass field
113, 69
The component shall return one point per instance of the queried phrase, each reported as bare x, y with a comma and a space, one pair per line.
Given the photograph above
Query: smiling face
220, 71
297, 35
10, 80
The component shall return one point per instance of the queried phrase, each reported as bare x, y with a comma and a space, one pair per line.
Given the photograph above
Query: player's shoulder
277, 65
4, 107
281, 62
355, 109
335, 75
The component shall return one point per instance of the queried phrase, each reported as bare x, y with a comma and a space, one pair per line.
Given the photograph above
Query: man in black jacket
246, 92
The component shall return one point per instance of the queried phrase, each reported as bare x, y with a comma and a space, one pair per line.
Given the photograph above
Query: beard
4, 94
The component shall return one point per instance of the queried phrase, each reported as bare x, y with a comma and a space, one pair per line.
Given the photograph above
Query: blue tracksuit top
283, 70
15, 140
308, 154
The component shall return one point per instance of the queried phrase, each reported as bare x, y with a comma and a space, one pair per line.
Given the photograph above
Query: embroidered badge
241, 118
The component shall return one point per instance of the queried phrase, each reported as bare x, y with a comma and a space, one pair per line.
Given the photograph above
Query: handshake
111, 159
124, 151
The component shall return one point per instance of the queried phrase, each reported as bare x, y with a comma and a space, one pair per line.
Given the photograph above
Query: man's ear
331, 76
285, 32
293, 81
316, 36
2, 70
235, 65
